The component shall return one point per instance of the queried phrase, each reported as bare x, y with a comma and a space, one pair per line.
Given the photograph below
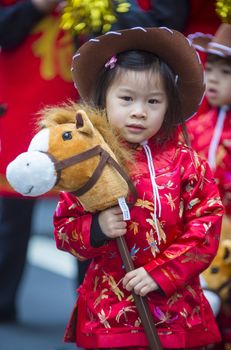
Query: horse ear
83, 123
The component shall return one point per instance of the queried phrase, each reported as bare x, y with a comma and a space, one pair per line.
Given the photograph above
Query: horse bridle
105, 158
222, 286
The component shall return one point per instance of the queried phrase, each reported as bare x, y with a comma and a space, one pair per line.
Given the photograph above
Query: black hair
212, 58
138, 60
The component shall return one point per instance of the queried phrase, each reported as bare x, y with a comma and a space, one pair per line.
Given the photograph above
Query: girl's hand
140, 281
111, 222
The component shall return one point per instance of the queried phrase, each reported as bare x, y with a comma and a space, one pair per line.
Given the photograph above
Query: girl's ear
83, 123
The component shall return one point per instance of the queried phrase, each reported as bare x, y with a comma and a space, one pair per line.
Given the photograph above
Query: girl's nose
211, 77
139, 112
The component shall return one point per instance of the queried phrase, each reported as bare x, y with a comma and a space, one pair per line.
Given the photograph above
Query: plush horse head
76, 151
218, 274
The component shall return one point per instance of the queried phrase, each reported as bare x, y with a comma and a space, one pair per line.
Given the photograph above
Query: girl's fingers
139, 281
122, 231
119, 217
139, 287
116, 210
131, 283
121, 225
143, 291
119, 232
129, 276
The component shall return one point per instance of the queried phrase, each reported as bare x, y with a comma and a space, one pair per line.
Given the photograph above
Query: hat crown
219, 44
223, 35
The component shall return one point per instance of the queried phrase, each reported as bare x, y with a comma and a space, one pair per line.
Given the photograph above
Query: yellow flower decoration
223, 9
91, 16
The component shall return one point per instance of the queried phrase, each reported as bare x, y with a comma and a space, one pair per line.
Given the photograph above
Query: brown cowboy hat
218, 44
169, 45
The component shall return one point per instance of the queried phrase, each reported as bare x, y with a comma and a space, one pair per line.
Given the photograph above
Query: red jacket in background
201, 130
33, 75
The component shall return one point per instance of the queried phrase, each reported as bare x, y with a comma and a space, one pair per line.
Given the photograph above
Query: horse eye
67, 135
214, 270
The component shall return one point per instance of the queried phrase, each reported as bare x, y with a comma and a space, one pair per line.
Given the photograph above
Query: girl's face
136, 104
218, 83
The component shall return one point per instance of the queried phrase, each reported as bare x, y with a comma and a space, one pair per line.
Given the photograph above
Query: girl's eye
67, 135
226, 71
208, 68
126, 98
153, 101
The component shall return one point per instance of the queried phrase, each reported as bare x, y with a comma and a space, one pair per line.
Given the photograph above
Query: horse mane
66, 113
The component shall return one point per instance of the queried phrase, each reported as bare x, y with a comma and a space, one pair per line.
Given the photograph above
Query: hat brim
200, 41
170, 45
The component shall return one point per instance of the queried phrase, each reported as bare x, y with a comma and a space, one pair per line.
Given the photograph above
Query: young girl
149, 81
210, 130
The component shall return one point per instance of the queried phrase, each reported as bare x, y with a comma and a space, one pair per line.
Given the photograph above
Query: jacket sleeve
73, 229
16, 22
192, 251
170, 13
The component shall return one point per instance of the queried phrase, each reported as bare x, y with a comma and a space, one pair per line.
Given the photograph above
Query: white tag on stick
124, 208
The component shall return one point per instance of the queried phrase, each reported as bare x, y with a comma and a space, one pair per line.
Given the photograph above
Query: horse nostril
214, 270
27, 164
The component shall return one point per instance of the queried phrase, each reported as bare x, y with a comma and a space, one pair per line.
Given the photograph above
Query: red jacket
191, 218
201, 131
34, 74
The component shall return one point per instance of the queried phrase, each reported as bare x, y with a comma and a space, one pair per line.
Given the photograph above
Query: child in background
148, 81
210, 136
210, 130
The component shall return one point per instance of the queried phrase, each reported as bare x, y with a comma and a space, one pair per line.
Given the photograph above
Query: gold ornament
91, 16
223, 9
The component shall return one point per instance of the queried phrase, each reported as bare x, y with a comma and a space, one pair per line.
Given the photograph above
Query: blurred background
47, 291
37, 282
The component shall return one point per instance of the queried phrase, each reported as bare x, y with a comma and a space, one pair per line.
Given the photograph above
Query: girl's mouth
135, 128
212, 93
